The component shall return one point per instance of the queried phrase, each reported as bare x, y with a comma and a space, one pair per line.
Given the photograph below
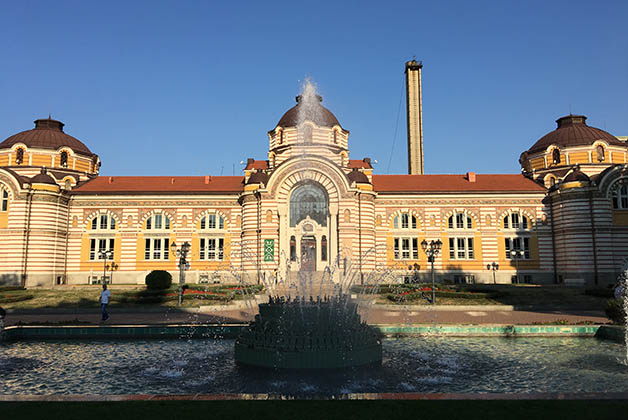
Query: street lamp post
494, 267
182, 254
431, 249
105, 254
516, 255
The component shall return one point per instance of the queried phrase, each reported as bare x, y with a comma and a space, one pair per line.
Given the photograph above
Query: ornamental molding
454, 203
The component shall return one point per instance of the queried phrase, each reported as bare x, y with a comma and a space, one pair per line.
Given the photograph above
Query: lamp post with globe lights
493, 267
105, 254
432, 249
182, 254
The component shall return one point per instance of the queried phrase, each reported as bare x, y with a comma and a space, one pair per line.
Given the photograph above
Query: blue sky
192, 87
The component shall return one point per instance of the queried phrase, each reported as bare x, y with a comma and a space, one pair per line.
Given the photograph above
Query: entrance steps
306, 284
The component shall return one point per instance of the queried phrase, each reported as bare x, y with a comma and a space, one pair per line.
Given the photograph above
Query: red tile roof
360, 164
162, 184
454, 183
257, 164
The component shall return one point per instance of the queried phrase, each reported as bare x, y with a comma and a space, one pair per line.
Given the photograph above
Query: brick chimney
470, 176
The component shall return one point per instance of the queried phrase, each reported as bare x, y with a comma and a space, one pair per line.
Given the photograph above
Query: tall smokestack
414, 117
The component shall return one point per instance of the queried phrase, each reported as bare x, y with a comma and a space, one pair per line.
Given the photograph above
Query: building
308, 205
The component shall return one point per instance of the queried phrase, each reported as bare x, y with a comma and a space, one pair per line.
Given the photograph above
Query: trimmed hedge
600, 292
158, 280
615, 311
15, 298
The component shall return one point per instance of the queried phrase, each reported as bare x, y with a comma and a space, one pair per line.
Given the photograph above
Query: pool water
427, 364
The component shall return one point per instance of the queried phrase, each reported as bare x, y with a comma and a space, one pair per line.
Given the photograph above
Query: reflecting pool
426, 364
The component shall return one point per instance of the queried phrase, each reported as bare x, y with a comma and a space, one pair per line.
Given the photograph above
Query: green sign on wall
269, 250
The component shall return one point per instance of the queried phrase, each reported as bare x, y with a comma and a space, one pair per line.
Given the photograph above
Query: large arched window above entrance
309, 199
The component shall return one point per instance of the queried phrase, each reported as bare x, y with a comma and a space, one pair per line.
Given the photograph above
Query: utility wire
392, 147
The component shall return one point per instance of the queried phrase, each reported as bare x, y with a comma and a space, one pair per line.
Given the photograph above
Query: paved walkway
374, 316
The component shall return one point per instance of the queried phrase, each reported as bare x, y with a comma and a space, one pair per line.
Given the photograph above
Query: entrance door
308, 253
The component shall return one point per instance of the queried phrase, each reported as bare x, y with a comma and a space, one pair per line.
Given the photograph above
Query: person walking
105, 295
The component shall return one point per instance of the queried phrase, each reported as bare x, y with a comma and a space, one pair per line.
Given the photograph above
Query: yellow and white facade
309, 206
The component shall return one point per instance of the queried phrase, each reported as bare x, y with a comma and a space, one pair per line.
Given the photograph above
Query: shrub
158, 280
615, 311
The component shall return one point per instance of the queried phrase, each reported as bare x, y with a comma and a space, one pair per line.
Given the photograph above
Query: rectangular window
404, 221
201, 251
415, 249
98, 246
221, 223
211, 249
211, 221
459, 221
103, 221
221, 248
470, 253
526, 248
517, 244
156, 249
452, 249
158, 220
396, 222
405, 248
5, 200
396, 248
413, 222
461, 249
515, 220
167, 222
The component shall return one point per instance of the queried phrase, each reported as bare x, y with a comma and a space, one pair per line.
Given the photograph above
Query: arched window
405, 221
212, 222
335, 137
5, 199
280, 136
159, 221
600, 153
460, 221
516, 221
64, 159
309, 199
19, 156
324, 248
556, 156
103, 222
619, 197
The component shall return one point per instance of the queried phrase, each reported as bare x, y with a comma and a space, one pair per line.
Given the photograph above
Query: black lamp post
494, 267
432, 249
516, 255
105, 254
182, 254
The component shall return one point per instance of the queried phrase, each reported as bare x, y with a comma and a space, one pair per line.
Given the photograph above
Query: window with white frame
406, 248
212, 222
516, 221
211, 249
4, 196
619, 197
461, 249
158, 221
518, 240
460, 245
405, 221
99, 246
156, 248
103, 222
521, 246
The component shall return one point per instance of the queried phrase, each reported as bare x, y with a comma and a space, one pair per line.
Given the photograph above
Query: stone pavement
476, 315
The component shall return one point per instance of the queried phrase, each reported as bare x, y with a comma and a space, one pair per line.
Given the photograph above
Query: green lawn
320, 410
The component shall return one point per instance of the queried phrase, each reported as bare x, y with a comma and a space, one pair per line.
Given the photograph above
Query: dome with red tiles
47, 134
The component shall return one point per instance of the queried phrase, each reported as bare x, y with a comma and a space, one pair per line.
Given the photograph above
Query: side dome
308, 110
358, 177
47, 134
577, 176
572, 130
43, 178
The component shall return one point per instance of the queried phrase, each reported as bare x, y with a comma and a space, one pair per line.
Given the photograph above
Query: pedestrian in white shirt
105, 295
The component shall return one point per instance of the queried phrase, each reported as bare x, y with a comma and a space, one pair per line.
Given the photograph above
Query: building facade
309, 206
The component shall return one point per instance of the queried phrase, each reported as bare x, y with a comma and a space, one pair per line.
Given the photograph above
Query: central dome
47, 134
310, 110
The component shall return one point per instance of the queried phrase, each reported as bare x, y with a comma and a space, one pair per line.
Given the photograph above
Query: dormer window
556, 156
599, 150
19, 156
64, 159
